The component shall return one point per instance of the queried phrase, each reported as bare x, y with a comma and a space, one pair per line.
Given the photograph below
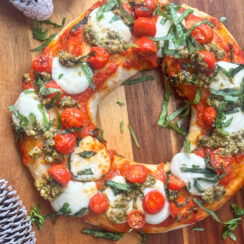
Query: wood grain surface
143, 107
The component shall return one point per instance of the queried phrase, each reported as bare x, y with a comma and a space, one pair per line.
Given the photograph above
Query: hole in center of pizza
55, 116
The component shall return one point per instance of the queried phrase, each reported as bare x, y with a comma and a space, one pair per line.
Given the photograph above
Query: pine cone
15, 226
36, 9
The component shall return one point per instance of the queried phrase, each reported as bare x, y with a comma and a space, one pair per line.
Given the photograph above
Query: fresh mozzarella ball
223, 82
189, 160
159, 217
28, 103
162, 30
99, 164
72, 80
101, 27
237, 122
77, 195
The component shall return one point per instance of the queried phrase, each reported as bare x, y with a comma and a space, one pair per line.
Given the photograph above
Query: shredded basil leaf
79, 24
50, 38
130, 45
86, 154
45, 119
124, 13
133, 136
165, 105
198, 96
143, 236
81, 212
23, 120
121, 125
86, 69
118, 186
85, 172
187, 146
162, 38
60, 76
36, 217
223, 19
115, 18
120, 103
138, 80
38, 34
104, 234
109, 5
198, 229
55, 24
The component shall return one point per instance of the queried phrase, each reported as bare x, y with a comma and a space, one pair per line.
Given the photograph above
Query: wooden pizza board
143, 107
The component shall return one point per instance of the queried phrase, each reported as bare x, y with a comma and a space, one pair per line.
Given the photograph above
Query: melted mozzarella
77, 195
26, 104
223, 82
72, 80
237, 122
101, 27
162, 30
159, 217
189, 160
99, 164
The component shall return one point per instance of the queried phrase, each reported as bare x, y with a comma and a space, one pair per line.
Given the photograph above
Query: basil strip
176, 21
163, 38
198, 186
223, 19
88, 74
143, 236
130, 45
71, 130
177, 112
109, 5
210, 212
165, 105
198, 229
198, 96
104, 234
185, 14
79, 24
187, 146
118, 186
242, 96
58, 120
36, 217
45, 119
115, 18
85, 172
23, 120
175, 128
121, 125
124, 13
205, 171
50, 38
138, 80
49, 22
81, 212
229, 95
86, 154
120, 103
133, 136
38, 34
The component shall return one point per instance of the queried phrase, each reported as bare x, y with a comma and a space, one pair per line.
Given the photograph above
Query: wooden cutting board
143, 107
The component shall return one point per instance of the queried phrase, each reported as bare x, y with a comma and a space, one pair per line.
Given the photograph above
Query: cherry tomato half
203, 34
99, 203
209, 59
146, 46
99, 59
136, 173
65, 143
72, 117
60, 174
136, 219
175, 183
145, 27
42, 63
209, 115
153, 202
181, 213
146, 8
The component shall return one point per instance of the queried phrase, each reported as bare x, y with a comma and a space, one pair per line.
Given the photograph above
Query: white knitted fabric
35, 9
15, 226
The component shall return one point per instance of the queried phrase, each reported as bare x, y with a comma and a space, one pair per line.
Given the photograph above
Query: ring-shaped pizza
55, 116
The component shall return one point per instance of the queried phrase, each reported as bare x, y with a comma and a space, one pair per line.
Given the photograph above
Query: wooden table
143, 101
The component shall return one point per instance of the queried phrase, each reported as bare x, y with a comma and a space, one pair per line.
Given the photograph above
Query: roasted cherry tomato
209, 59
209, 115
146, 8
65, 143
224, 164
99, 59
53, 84
146, 46
136, 219
99, 203
60, 174
181, 213
72, 117
203, 34
42, 63
175, 183
145, 27
136, 173
153, 202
